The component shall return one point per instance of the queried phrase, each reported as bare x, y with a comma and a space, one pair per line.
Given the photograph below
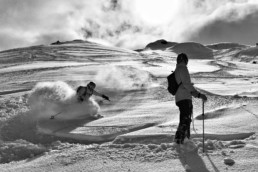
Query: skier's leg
185, 108
180, 134
189, 120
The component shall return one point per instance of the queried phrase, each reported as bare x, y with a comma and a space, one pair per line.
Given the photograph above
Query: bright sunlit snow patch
231, 87
196, 66
245, 69
42, 65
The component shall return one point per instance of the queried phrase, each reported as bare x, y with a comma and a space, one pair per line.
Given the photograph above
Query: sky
128, 24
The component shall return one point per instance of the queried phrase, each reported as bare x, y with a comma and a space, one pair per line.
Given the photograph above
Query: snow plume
49, 98
127, 23
123, 78
46, 99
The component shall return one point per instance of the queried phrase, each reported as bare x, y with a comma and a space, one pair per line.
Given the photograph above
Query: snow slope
225, 45
193, 50
139, 123
159, 45
249, 54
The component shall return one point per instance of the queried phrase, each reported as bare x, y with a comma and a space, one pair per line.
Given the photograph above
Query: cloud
31, 22
138, 22
127, 23
230, 23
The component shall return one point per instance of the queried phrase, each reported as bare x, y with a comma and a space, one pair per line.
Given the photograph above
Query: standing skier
84, 93
183, 98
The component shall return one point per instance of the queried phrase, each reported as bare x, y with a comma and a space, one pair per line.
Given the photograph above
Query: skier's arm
186, 81
100, 95
97, 93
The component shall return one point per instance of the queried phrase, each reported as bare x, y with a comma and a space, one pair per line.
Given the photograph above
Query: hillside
139, 123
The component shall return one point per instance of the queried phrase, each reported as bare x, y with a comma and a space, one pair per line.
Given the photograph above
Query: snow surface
139, 123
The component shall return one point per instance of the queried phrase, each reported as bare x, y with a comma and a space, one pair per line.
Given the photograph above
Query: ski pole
203, 125
53, 116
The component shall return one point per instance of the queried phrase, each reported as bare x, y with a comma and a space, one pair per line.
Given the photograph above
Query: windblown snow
50, 98
140, 121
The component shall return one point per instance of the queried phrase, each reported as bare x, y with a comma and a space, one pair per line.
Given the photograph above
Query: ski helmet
91, 85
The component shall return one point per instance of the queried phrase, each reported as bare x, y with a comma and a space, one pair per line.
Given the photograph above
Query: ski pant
183, 130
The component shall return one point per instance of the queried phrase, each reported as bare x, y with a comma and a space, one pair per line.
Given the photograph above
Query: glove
105, 97
203, 97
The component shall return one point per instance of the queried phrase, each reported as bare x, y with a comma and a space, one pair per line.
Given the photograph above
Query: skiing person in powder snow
84, 93
183, 98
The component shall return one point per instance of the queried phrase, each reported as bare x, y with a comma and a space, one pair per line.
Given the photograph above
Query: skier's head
182, 58
91, 85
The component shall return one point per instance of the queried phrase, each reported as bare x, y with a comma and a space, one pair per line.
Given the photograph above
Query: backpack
172, 84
